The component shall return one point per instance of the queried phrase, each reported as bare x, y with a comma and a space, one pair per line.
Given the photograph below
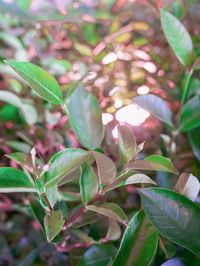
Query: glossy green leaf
190, 117
63, 163
53, 222
110, 210
194, 141
85, 118
188, 185
22, 159
153, 163
13, 180
156, 106
139, 242
127, 143
98, 255
39, 80
25, 108
178, 37
107, 171
89, 185
174, 216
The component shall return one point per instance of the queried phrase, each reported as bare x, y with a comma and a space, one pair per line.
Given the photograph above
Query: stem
76, 215
46, 201
70, 247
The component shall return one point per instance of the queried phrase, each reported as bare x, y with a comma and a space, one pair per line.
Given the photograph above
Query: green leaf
106, 168
110, 210
156, 106
167, 246
194, 141
137, 179
39, 80
190, 117
127, 143
139, 242
196, 65
38, 212
76, 173
174, 216
114, 230
19, 146
25, 108
153, 163
85, 118
98, 255
16, 11
161, 161
188, 185
178, 10
13, 180
52, 195
89, 185
63, 163
22, 159
178, 37
53, 222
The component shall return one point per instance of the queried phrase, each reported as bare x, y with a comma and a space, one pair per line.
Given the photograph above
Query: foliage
92, 198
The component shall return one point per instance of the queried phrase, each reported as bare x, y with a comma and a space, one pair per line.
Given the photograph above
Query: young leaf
178, 37
85, 118
106, 168
63, 163
98, 255
39, 80
174, 216
139, 242
156, 106
13, 180
22, 159
188, 185
127, 143
190, 117
89, 185
153, 163
114, 230
110, 210
53, 222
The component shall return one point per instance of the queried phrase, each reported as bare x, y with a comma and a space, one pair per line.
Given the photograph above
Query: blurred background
118, 50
